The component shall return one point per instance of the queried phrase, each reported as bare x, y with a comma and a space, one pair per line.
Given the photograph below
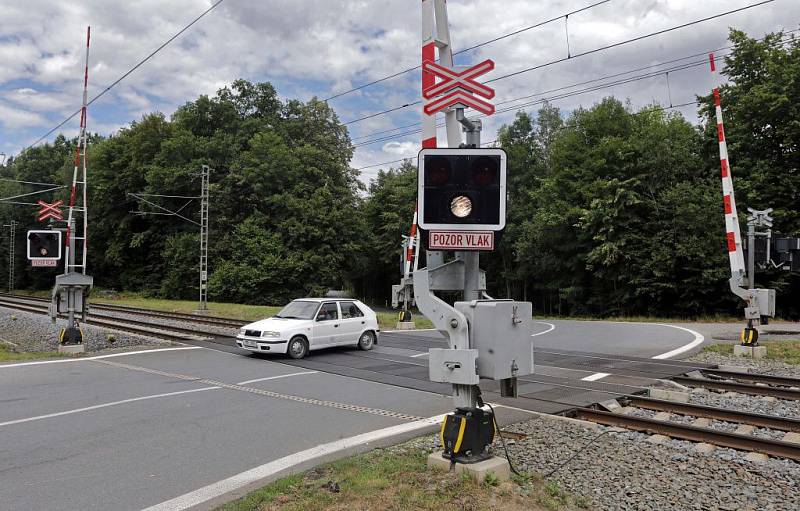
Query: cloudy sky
323, 47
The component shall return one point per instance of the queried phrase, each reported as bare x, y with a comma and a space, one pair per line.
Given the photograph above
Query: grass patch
7, 354
787, 352
396, 479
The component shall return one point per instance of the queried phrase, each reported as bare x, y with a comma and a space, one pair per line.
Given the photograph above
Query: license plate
250, 344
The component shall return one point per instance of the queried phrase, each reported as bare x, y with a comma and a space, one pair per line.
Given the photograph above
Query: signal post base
749, 351
71, 349
495, 465
404, 325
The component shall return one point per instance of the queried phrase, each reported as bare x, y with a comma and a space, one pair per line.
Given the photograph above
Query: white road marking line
552, 327
276, 377
287, 465
420, 355
104, 405
83, 359
698, 340
595, 376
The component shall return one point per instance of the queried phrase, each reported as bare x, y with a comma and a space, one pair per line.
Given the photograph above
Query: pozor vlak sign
462, 191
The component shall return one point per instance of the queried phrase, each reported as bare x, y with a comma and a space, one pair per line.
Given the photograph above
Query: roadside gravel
773, 367
34, 332
620, 470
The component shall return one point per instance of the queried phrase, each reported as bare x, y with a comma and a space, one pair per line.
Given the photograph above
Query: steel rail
128, 325
212, 320
693, 433
742, 388
710, 412
753, 377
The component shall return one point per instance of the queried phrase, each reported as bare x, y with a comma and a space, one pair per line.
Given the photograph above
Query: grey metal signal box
500, 330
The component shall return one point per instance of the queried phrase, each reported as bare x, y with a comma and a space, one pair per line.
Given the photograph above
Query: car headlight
242, 332
270, 334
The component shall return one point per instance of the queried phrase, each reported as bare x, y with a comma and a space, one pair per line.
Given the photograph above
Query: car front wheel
366, 341
298, 347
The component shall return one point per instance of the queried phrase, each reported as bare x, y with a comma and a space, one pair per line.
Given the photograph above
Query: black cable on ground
499, 433
563, 464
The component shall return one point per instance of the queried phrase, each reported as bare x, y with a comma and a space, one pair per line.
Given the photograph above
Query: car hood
277, 324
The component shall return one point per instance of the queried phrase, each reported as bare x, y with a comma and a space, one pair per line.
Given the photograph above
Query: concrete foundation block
71, 349
792, 437
704, 448
669, 395
733, 369
701, 422
756, 457
404, 325
662, 416
749, 351
745, 429
658, 439
495, 465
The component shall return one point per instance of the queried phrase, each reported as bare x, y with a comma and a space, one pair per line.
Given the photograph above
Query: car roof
325, 300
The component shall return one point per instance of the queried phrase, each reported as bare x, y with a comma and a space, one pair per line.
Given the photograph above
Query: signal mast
72, 288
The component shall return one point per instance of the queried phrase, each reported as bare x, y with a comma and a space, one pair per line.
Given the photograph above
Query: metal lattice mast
204, 199
11, 250
73, 234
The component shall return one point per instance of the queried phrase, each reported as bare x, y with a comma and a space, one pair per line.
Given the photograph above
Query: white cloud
321, 47
402, 149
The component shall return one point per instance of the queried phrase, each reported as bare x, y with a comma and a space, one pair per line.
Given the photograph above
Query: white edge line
552, 327
272, 468
276, 377
595, 376
104, 405
82, 359
698, 340
420, 355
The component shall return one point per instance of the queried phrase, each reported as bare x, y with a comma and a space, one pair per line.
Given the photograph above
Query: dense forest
612, 210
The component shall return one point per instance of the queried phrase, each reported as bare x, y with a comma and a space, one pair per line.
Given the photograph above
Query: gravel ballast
761, 365
621, 470
35, 332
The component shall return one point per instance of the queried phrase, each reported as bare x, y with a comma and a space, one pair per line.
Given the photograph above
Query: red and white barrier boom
72, 288
760, 302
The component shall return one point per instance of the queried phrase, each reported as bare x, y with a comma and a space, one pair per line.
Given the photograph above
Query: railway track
177, 316
781, 388
170, 333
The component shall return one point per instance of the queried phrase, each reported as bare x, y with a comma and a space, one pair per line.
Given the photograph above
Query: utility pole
11, 249
204, 197
203, 307
461, 194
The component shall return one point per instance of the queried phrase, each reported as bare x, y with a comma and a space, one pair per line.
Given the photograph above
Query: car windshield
298, 310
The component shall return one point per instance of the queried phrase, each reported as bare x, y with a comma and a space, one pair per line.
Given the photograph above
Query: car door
353, 322
327, 325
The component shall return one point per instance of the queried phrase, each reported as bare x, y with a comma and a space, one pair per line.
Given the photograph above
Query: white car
310, 324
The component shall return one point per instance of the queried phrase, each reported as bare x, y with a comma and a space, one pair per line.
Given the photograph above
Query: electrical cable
127, 73
615, 75
582, 449
480, 403
499, 38
582, 54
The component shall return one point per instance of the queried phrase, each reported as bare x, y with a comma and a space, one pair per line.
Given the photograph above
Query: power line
557, 97
127, 73
589, 52
615, 75
494, 40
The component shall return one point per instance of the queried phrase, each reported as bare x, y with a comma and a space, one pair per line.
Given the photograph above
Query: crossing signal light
462, 189
44, 245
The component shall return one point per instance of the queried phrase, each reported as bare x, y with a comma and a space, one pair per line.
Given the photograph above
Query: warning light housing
44, 245
462, 189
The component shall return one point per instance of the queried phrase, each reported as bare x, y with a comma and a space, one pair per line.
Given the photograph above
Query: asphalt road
133, 431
